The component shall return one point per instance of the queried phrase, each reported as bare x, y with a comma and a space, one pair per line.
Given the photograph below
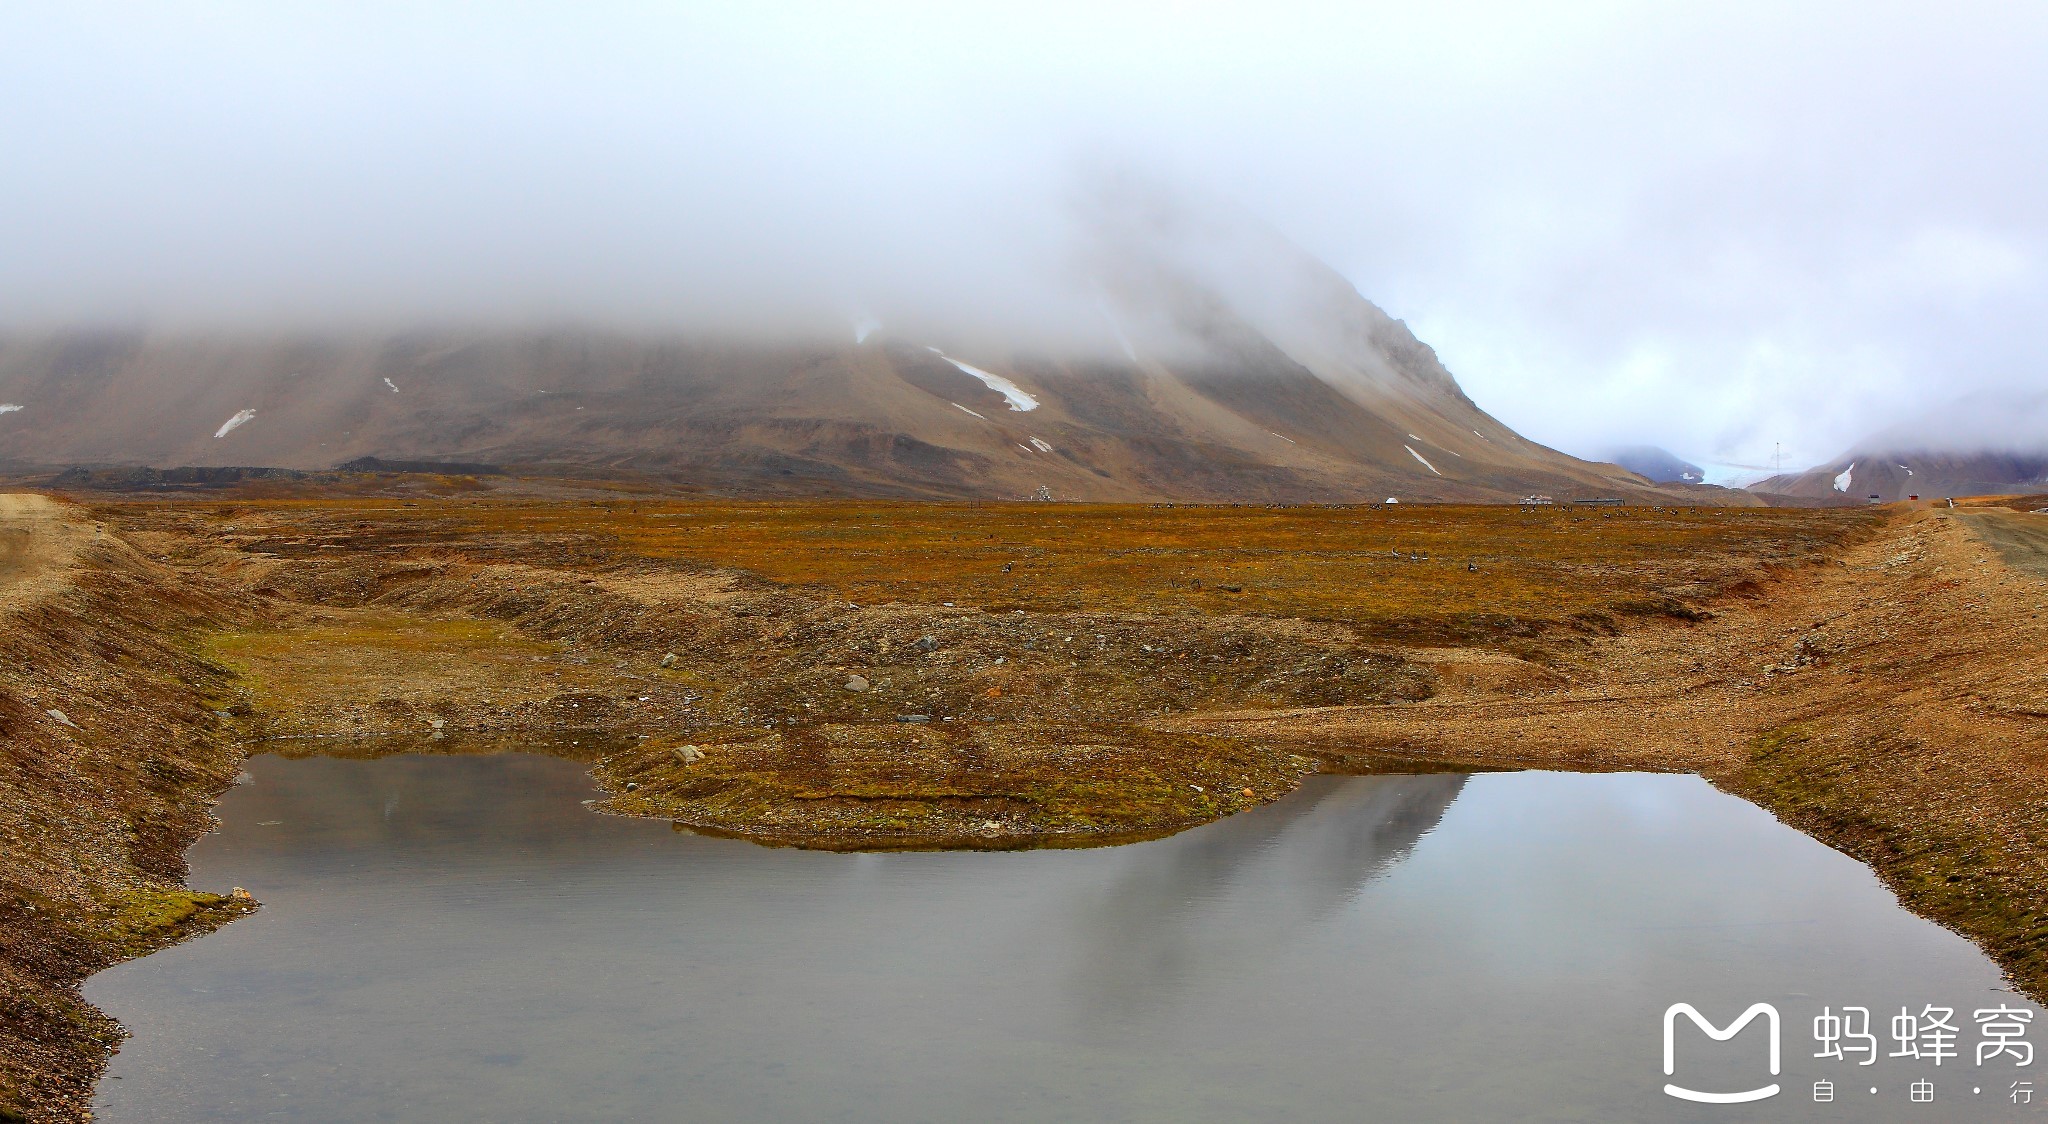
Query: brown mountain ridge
1258, 376
883, 417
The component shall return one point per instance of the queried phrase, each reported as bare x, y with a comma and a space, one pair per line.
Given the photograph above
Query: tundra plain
860, 675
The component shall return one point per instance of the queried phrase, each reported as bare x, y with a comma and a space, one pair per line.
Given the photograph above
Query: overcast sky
1713, 228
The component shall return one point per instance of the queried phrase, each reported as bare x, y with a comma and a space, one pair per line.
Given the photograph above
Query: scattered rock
632, 786
61, 718
913, 718
688, 754
927, 643
241, 895
668, 659
1231, 588
437, 723
856, 682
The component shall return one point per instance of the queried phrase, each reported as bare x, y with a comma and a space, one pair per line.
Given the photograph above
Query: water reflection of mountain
1202, 901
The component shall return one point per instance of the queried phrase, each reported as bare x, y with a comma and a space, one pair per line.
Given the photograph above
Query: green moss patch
139, 921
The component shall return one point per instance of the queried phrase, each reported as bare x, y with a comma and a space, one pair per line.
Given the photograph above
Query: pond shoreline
429, 912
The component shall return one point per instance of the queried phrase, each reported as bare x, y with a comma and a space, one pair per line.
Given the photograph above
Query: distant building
1602, 501
1535, 500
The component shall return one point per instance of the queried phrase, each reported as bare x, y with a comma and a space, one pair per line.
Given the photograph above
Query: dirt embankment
1893, 703
108, 759
1919, 742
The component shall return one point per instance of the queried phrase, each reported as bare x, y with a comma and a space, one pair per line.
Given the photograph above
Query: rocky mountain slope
1658, 465
1890, 475
1256, 375
882, 417
1983, 446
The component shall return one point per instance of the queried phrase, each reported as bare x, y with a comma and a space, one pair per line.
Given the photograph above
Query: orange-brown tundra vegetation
893, 674
865, 674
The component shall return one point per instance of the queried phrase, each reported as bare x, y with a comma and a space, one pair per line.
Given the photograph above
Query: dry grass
372, 670
1035, 647
1417, 572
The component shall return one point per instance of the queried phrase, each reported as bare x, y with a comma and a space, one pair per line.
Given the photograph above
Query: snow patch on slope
1040, 445
8, 407
239, 420
1423, 459
392, 385
1842, 481
958, 406
1011, 392
864, 327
